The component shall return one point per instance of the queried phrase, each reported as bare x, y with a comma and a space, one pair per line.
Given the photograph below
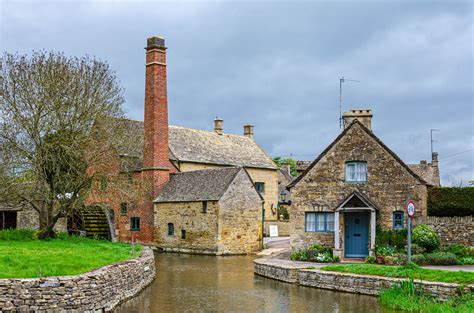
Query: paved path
276, 247
466, 268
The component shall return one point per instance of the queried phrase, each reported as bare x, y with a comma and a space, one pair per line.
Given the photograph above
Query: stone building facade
356, 183
214, 211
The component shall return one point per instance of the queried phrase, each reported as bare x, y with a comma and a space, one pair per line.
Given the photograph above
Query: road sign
411, 208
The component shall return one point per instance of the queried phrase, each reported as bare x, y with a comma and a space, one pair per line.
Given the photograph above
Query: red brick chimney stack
156, 155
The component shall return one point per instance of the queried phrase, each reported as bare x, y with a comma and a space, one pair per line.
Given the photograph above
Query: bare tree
54, 110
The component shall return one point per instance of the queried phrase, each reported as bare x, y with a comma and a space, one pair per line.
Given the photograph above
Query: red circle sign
411, 209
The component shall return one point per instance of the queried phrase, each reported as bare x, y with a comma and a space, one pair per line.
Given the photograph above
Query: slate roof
200, 146
371, 134
427, 172
201, 185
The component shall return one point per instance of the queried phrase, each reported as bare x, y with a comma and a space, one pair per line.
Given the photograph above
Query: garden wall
283, 228
362, 284
457, 229
101, 289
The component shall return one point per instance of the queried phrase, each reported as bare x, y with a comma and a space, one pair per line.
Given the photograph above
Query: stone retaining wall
101, 289
362, 284
457, 229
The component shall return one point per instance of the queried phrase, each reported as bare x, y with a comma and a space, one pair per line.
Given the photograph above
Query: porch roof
364, 199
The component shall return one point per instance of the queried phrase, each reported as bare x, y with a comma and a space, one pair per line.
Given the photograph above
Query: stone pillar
372, 231
337, 236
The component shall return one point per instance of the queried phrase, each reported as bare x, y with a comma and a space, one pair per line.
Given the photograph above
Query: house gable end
349, 131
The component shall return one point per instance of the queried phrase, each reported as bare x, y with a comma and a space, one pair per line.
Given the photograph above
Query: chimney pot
218, 125
362, 115
248, 131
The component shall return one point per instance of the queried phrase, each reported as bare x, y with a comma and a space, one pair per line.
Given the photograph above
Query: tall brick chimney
155, 153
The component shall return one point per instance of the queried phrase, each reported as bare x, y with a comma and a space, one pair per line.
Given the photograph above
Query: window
103, 183
319, 222
398, 220
130, 178
135, 223
356, 172
204, 207
123, 208
183, 234
170, 229
260, 187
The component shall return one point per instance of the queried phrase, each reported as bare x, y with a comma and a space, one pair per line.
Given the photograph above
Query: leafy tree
49, 106
279, 161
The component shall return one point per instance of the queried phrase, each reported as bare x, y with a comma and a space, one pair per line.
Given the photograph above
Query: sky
277, 65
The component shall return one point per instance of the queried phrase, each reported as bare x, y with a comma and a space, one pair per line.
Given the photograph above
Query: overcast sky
277, 64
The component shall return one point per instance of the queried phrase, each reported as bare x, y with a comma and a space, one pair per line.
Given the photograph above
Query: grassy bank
404, 271
22, 256
405, 297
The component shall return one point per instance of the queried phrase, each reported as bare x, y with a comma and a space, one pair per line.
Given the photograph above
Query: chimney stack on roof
218, 125
248, 131
286, 166
362, 115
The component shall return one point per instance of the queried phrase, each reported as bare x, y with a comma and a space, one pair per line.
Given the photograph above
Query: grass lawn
23, 257
402, 272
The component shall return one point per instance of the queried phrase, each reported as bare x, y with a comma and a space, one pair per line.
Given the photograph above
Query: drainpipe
263, 219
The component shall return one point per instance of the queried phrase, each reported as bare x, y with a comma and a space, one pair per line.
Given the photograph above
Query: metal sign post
411, 212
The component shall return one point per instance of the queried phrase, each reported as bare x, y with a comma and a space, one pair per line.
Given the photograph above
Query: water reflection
190, 283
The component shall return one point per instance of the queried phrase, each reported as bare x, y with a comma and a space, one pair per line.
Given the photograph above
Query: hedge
451, 201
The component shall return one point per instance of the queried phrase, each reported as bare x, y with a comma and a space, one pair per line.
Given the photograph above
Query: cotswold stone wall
28, 218
240, 217
283, 228
458, 229
296, 272
101, 289
201, 228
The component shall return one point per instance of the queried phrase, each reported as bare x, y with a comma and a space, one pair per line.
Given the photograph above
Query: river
195, 283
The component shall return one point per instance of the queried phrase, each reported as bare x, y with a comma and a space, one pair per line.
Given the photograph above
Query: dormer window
356, 172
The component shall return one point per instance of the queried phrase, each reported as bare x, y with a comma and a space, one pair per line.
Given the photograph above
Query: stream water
192, 283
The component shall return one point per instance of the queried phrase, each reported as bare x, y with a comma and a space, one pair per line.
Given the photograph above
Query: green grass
22, 257
397, 298
404, 271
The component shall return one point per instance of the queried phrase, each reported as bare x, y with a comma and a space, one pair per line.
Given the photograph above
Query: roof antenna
432, 141
342, 80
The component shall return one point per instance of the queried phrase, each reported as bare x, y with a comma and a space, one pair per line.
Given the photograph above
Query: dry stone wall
457, 229
296, 272
99, 290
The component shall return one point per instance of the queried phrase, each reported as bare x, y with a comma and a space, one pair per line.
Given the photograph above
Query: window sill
135, 229
319, 231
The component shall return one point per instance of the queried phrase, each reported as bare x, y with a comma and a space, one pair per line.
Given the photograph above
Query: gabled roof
360, 196
201, 185
371, 134
194, 145
199, 146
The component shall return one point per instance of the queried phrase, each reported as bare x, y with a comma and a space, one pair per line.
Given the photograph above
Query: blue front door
356, 233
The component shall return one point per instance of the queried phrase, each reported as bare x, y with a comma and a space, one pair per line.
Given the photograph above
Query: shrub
385, 250
468, 260
441, 258
314, 253
17, 234
426, 237
446, 201
418, 259
459, 250
394, 238
370, 259
416, 249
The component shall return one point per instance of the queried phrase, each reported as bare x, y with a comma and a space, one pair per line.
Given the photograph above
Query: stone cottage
159, 150
356, 183
215, 211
